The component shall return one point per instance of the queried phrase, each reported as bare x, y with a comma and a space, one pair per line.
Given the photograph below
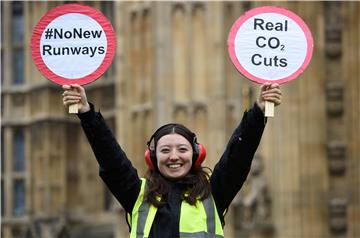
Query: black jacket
123, 181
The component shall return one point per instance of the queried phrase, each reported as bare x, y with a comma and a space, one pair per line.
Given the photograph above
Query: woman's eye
183, 150
165, 150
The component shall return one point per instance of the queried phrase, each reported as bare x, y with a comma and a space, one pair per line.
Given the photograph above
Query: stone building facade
172, 64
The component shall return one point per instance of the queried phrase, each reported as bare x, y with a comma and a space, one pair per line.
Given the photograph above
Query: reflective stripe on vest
192, 218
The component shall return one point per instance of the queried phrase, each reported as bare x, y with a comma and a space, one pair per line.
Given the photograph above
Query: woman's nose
173, 154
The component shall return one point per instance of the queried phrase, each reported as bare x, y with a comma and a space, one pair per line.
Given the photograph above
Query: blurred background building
172, 64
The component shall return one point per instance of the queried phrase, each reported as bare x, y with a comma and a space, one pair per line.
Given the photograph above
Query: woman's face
174, 156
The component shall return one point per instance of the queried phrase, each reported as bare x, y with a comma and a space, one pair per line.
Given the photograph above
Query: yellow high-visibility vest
198, 221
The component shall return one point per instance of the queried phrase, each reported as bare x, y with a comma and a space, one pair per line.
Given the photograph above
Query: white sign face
73, 38
270, 44
73, 43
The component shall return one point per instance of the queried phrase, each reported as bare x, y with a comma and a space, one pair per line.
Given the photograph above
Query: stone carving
254, 205
336, 147
336, 157
337, 215
335, 98
333, 31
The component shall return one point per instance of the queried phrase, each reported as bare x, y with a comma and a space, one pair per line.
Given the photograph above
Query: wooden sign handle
269, 109
74, 108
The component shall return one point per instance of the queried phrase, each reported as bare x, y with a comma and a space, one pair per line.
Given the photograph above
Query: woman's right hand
75, 94
269, 92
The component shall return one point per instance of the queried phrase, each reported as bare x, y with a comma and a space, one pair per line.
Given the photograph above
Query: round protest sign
270, 44
73, 43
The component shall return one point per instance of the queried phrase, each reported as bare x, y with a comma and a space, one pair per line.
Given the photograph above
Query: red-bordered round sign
270, 44
73, 43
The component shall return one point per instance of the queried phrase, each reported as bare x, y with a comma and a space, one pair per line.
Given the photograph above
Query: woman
178, 197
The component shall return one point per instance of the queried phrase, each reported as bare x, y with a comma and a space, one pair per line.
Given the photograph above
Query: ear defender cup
148, 161
198, 158
201, 156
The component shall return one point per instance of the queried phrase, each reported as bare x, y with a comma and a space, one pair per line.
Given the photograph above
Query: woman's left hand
269, 92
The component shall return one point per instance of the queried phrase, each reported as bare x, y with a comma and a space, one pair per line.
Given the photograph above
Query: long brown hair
196, 187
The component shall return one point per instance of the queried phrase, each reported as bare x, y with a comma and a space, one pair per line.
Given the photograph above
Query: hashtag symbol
49, 33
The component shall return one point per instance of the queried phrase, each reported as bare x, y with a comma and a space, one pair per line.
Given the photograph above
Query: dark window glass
19, 198
107, 8
17, 232
2, 151
19, 151
2, 66
2, 107
18, 66
2, 23
2, 199
17, 27
2, 43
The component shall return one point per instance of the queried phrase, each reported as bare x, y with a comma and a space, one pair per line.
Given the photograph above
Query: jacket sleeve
234, 165
115, 169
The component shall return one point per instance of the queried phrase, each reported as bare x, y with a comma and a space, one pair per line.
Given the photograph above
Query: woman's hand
269, 92
75, 94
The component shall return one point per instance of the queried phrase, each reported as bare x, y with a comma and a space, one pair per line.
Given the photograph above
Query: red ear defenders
199, 152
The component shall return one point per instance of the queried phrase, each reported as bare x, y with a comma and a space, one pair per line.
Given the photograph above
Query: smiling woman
176, 156
178, 197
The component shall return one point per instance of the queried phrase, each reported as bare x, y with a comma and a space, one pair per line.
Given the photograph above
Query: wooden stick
74, 108
269, 109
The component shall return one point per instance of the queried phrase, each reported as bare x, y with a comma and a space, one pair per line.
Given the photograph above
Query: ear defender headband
199, 152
